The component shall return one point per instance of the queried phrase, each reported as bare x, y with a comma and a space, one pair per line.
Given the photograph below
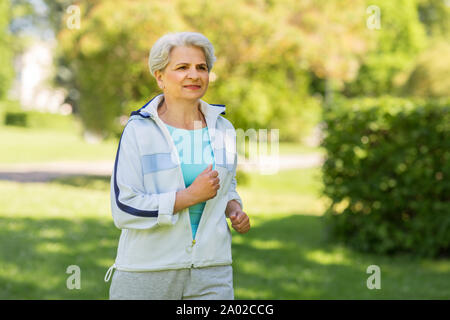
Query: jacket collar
210, 111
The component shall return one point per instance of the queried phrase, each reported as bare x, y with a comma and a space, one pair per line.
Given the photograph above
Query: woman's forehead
189, 55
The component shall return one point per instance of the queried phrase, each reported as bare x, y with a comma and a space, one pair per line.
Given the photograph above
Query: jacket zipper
174, 149
214, 161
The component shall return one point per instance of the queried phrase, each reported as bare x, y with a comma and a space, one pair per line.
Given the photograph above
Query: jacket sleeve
232, 193
132, 207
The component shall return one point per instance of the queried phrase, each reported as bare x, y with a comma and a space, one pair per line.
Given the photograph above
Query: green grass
53, 137
48, 138
289, 190
286, 256
23, 145
284, 148
46, 227
297, 148
63, 142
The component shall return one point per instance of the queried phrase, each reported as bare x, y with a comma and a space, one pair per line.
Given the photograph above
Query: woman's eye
202, 67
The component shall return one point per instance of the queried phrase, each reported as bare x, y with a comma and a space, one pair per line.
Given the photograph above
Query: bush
429, 77
45, 120
16, 119
11, 113
7, 106
387, 173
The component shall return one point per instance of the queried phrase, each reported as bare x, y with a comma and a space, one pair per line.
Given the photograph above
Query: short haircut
159, 53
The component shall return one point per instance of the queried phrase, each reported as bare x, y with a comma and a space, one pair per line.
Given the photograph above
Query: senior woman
174, 184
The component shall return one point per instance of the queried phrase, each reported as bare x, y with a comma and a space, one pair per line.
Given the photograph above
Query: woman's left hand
239, 221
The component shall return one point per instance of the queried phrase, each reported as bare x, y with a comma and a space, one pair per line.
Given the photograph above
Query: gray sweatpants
209, 283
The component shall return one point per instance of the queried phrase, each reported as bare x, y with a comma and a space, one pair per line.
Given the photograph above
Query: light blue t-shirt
194, 149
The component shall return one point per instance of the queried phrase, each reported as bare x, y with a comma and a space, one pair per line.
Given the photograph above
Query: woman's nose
193, 73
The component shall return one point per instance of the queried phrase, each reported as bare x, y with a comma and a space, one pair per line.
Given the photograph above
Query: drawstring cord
109, 272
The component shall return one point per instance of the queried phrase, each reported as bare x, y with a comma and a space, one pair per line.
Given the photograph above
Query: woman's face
186, 76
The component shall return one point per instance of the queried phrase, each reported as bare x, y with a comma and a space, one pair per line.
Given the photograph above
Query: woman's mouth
193, 87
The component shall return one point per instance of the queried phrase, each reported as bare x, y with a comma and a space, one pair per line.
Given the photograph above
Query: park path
42, 172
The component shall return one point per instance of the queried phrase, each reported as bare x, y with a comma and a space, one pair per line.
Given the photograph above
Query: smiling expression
186, 76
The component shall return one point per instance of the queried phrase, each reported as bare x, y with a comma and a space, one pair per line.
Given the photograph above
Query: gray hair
159, 54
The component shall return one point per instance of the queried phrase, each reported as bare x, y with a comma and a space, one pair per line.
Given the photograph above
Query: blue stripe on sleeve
122, 206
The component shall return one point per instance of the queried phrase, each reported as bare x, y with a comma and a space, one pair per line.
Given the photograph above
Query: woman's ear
158, 76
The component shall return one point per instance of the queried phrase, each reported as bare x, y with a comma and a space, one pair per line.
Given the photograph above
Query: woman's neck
181, 114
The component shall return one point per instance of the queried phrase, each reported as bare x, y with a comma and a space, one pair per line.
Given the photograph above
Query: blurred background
359, 91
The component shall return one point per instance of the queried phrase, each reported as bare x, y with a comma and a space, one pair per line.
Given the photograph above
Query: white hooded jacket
147, 174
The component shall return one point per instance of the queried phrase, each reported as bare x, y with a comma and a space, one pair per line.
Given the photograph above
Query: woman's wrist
183, 200
232, 205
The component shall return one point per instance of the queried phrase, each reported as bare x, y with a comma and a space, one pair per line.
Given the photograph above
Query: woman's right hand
205, 186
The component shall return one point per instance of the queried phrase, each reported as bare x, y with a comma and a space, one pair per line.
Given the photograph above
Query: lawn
46, 227
22, 145
297, 148
25, 145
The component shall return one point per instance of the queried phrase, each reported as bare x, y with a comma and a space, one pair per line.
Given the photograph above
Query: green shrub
18, 119
387, 173
429, 77
8, 106
45, 120
11, 113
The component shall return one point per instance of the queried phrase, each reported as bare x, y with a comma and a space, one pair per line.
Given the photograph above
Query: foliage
386, 172
331, 34
16, 119
275, 58
430, 77
265, 52
11, 113
46, 139
397, 43
6, 51
435, 14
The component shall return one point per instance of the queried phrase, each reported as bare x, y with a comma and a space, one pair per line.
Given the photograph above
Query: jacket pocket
157, 162
160, 172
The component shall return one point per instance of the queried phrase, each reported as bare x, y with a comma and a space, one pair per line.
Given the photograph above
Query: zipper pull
190, 248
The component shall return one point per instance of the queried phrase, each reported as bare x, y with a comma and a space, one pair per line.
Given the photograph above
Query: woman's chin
193, 95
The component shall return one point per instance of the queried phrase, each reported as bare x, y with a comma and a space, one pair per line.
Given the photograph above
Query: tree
6, 49
334, 38
397, 44
435, 15
104, 63
266, 53
429, 78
